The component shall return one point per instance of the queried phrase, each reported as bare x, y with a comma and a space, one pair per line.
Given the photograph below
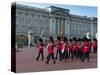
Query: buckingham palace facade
53, 21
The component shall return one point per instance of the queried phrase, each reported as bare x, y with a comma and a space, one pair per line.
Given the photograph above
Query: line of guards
65, 49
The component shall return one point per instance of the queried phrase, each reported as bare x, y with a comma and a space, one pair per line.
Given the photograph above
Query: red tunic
74, 47
78, 47
62, 43
50, 48
70, 46
94, 44
82, 46
86, 49
66, 46
59, 46
40, 47
90, 44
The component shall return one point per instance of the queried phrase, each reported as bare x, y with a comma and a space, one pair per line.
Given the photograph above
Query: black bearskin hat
51, 39
40, 39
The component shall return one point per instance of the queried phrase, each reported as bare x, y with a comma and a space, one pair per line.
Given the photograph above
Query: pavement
26, 62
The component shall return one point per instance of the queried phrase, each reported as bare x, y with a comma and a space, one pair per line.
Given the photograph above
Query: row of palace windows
78, 32
23, 20
32, 15
35, 29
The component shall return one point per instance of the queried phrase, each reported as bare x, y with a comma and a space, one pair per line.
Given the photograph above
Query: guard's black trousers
85, 56
42, 55
50, 56
60, 55
73, 54
94, 50
65, 55
79, 54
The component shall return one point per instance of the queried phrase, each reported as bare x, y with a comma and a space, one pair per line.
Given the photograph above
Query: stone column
29, 38
58, 27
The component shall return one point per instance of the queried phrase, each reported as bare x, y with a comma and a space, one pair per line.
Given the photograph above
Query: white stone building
53, 21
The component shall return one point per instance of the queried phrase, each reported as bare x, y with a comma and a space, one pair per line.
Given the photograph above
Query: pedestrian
40, 49
50, 48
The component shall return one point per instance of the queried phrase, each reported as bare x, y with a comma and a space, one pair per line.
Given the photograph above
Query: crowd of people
67, 49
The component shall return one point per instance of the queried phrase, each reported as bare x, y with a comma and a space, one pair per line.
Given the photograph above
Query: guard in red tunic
85, 51
94, 44
65, 49
50, 48
82, 48
40, 49
70, 47
79, 47
58, 48
90, 45
74, 48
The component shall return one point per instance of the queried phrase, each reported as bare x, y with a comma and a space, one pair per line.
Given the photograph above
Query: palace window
26, 14
32, 15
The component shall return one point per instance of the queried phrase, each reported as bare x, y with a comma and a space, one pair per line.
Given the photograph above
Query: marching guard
59, 48
65, 49
50, 48
74, 49
94, 44
40, 49
86, 50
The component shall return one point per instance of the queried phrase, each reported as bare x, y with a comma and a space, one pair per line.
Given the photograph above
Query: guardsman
94, 44
70, 47
65, 49
40, 49
74, 49
90, 45
85, 51
62, 48
79, 52
50, 48
58, 48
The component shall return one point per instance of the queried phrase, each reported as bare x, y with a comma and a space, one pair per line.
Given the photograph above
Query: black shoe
36, 59
47, 63
82, 61
60, 60
42, 59
88, 61
56, 58
54, 62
